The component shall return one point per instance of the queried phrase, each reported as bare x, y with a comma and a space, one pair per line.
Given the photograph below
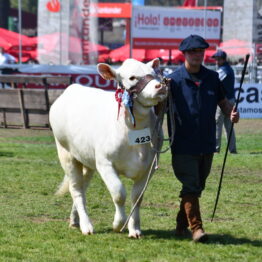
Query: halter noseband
141, 84
136, 89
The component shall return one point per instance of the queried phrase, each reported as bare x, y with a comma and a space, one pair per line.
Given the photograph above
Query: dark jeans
192, 171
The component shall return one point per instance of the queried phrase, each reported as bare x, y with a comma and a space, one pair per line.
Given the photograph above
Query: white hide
89, 137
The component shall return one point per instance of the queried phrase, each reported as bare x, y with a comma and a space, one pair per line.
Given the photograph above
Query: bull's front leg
134, 221
117, 191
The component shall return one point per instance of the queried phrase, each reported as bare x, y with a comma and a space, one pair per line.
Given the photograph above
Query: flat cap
192, 42
220, 53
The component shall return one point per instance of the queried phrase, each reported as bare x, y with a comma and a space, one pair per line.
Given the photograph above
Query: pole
20, 30
131, 37
229, 138
60, 38
205, 18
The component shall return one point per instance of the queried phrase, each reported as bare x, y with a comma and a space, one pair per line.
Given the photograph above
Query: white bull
91, 134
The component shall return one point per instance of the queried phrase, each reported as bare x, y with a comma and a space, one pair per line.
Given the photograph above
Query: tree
27, 5
4, 11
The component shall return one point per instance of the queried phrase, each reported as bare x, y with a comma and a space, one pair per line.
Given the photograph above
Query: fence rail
23, 107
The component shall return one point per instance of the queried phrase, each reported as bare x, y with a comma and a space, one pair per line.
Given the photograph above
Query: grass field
34, 222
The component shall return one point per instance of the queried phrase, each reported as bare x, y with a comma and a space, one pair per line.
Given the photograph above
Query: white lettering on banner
95, 80
250, 100
84, 80
107, 10
163, 23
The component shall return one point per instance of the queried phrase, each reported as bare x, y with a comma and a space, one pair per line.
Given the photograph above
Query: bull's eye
132, 78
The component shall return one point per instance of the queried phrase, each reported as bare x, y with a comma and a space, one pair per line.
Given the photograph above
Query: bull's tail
63, 187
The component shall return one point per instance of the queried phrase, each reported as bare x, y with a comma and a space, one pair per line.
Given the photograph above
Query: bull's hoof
87, 230
135, 234
88, 233
117, 226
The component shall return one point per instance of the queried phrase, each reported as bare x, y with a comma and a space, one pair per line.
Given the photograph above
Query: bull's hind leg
77, 185
117, 191
134, 221
74, 217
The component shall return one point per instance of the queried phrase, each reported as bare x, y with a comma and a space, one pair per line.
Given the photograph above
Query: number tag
137, 137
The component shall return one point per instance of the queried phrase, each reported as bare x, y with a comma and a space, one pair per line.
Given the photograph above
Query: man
227, 77
196, 92
6, 58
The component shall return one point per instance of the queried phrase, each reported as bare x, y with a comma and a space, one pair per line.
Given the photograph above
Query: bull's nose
158, 86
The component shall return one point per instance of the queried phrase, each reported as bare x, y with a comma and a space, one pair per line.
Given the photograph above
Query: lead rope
168, 105
158, 127
154, 162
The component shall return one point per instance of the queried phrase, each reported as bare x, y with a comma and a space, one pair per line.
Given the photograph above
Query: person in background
6, 58
227, 77
196, 92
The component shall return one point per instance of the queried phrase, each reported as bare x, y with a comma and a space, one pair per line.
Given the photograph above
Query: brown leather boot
182, 223
192, 210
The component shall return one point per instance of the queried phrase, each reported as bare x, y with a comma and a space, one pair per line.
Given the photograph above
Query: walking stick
230, 133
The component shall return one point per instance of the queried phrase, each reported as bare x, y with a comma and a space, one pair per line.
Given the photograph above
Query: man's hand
234, 116
229, 110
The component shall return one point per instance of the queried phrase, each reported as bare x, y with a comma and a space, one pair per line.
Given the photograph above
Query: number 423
142, 139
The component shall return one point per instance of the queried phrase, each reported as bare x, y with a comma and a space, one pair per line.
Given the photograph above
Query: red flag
189, 3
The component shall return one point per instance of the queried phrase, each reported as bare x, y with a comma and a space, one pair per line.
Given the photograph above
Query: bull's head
140, 80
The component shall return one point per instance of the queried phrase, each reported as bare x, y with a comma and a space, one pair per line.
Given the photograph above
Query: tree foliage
27, 5
4, 10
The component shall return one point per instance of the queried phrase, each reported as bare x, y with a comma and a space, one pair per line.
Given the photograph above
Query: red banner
189, 3
113, 10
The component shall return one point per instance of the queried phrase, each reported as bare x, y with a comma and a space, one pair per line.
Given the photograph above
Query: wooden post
4, 118
22, 108
46, 97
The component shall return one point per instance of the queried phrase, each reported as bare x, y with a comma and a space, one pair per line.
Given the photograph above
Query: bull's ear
155, 63
106, 71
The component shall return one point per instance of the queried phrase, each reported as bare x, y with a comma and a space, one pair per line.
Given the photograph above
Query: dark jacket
227, 76
195, 105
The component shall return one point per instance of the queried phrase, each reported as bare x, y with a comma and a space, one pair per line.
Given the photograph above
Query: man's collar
203, 72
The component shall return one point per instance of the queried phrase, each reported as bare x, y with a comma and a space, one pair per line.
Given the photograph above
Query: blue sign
138, 2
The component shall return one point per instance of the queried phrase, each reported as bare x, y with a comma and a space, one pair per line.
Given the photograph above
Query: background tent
122, 53
51, 41
208, 56
236, 48
4, 43
10, 42
177, 56
50, 44
13, 39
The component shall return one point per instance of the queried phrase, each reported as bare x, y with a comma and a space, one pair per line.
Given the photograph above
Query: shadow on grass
6, 154
164, 234
256, 153
226, 239
223, 239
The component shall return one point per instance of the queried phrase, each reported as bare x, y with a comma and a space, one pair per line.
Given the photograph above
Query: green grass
34, 222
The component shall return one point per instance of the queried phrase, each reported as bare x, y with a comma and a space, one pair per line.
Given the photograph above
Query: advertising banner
65, 32
111, 10
161, 27
250, 102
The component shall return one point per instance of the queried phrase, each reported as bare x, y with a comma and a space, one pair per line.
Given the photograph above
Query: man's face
220, 61
195, 56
